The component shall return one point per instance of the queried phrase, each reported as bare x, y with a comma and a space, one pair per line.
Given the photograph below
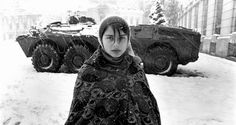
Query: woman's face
114, 44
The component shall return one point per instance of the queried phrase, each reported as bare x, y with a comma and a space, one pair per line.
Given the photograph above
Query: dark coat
108, 93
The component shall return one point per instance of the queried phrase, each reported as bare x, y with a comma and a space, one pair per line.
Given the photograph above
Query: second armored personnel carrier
161, 48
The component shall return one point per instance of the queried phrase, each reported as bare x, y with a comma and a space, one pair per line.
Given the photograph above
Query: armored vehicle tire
75, 57
45, 58
162, 61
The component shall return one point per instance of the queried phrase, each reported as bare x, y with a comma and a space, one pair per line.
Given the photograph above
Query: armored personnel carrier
57, 44
161, 48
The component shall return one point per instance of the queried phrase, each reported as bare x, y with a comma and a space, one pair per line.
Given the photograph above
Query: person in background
111, 87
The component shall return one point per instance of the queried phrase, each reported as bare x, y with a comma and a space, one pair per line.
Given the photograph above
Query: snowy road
201, 93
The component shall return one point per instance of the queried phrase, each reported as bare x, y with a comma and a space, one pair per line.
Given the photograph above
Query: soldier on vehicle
111, 87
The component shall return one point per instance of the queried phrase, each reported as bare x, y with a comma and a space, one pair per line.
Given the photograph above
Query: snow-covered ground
201, 93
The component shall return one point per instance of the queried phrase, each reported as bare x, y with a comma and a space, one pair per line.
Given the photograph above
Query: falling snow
200, 93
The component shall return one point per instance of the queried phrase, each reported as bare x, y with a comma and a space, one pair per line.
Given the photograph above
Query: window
234, 24
185, 20
196, 16
190, 19
217, 16
131, 21
10, 26
204, 16
233, 29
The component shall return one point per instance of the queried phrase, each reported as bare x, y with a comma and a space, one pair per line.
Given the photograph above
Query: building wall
227, 17
132, 14
133, 17
217, 24
13, 25
227, 21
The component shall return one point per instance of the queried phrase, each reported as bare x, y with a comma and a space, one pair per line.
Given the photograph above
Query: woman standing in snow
111, 87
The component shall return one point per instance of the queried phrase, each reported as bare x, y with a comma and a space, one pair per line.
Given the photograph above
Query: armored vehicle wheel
75, 57
45, 59
162, 60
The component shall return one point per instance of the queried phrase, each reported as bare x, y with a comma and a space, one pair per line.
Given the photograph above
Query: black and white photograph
118, 62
